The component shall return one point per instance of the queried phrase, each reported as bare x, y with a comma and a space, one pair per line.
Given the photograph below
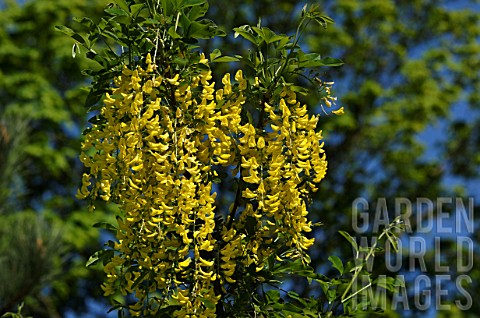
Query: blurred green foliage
410, 66
46, 235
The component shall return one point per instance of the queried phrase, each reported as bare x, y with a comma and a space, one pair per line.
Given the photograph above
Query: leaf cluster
277, 60
168, 29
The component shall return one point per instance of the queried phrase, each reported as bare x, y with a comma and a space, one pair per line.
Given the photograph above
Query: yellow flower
339, 111
174, 80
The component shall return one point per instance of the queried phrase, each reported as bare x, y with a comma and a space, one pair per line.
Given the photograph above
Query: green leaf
323, 20
350, 239
167, 6
292, 308
331, 295
140, 278
93, 260
181, 61
310, 60
299, 89
122, 4
393, 241
80, 38
173, 33
225, 59
278, 37
114, 36
242, 31
272, 296
268, 35
297, 297
105, 225
207, 303
192, 3
65, 30
197, 30
198, 11
336, 262
94, 97
384, 282
283, 41
330, 61
102, 255
136, 8
87, 22
116, 305
260, 33
97, 58
204, 29
117, 12
216, 53
325, 285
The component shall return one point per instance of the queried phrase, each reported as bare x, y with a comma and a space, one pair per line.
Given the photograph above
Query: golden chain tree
165, 133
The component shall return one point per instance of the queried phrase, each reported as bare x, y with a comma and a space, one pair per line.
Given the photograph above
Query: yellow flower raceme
280, 164
154, 152
153, 157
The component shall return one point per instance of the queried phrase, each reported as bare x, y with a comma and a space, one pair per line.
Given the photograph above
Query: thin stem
359, 269
301, 27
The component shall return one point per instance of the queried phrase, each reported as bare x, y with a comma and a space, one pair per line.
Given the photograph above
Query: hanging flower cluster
280, 164
155, 154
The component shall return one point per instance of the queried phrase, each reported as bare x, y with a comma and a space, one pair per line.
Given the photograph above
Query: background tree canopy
410, 87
